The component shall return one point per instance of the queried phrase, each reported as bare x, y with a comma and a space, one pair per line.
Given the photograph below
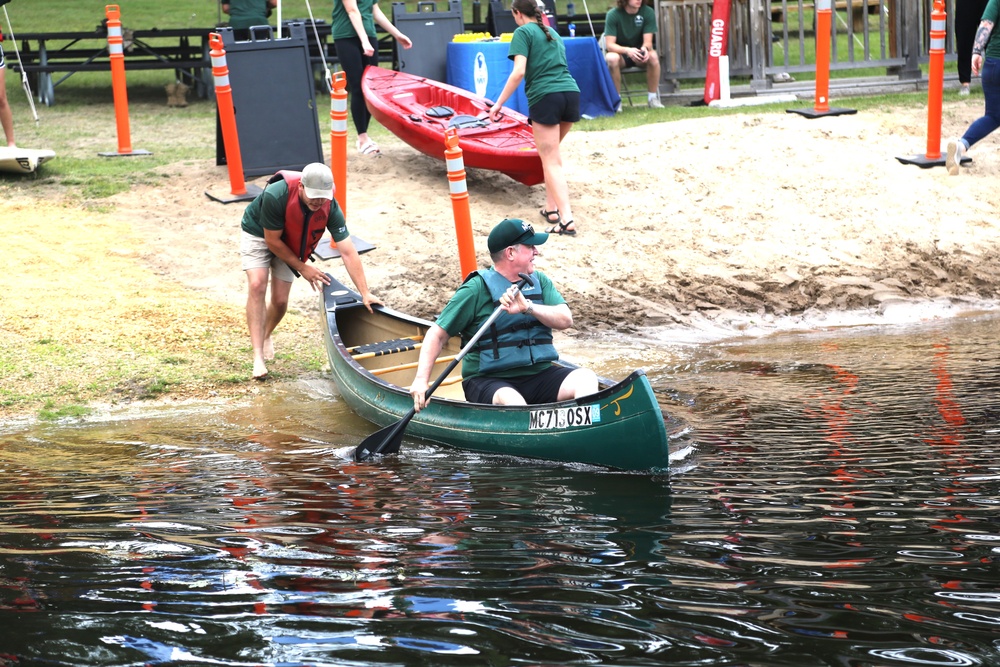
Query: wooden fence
773, 39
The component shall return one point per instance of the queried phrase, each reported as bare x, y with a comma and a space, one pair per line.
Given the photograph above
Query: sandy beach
723, 221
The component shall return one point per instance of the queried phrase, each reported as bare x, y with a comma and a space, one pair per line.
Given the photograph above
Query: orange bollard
935, 92
338, 138
116, 55
455, 162
821, 102
824, 22
227, 114
227, 122
935, 79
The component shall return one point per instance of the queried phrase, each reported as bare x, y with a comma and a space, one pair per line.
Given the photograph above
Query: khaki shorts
255, 254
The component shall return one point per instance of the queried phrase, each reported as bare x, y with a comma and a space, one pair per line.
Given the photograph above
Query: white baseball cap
317, 180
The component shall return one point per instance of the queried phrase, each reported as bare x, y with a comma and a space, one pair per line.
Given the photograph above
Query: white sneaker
618, 109
956, 151
964, 90
655, 103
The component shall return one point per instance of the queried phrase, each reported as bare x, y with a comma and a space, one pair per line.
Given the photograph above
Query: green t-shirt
628, 29
247, 13
992, 13
267, 211
546, 70
341, 26
470, 307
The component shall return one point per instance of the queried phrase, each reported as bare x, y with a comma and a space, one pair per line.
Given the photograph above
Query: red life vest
302, 239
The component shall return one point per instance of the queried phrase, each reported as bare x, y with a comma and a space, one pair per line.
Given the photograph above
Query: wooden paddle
387, 440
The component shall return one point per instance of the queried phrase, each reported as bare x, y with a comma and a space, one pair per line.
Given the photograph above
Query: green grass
53, 413
75, 15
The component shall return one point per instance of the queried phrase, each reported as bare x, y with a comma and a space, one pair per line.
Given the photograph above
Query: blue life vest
513, 341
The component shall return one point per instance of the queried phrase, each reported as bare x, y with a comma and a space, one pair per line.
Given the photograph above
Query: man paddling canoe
512, 363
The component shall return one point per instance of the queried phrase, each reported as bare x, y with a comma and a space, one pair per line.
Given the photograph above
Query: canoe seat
440, 112
463, 122
385, 347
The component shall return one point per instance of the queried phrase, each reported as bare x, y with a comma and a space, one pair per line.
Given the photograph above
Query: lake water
835, 500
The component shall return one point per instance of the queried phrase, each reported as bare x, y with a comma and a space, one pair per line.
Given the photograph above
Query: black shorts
538, 388
556, 108
631, 63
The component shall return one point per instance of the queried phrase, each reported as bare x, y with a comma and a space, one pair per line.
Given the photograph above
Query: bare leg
6, 117
508, 396
276, 310
653, 73
547, 139
614, 62
579, 383
257, 317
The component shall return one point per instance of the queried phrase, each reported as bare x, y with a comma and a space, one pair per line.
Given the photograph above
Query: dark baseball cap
513, 231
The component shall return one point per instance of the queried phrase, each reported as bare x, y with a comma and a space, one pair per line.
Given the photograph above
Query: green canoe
373, 357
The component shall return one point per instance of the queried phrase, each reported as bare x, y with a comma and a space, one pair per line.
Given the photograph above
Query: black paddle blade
383, 441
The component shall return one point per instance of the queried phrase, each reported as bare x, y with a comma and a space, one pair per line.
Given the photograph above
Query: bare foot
268, 349
259, 369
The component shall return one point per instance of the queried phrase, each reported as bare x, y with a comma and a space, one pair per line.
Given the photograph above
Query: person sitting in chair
628, 42
512, 362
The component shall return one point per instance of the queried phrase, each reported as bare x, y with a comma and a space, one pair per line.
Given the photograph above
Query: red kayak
419, 110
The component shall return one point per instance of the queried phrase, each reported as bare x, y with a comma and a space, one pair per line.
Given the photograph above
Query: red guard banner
717, 45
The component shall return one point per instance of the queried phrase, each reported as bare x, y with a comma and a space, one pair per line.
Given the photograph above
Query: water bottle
572, 30
570, 9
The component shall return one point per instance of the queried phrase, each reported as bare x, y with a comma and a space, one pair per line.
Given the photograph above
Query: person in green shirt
279, 231
244, 14
353, 33
512, 362
539, 57
628, 42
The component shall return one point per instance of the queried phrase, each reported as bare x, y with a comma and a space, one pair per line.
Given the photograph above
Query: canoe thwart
413, 364
385, 347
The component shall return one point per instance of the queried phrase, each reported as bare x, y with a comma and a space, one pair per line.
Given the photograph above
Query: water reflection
839, 508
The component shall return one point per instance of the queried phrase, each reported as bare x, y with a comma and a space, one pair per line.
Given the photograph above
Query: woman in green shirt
553, 102
353, 33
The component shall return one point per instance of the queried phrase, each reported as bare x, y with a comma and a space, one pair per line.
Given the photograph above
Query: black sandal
548, 216
561, 229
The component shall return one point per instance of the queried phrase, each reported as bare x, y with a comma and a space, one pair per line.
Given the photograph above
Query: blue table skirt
483, 68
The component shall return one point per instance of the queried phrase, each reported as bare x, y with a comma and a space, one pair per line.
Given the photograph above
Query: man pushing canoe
280, 230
